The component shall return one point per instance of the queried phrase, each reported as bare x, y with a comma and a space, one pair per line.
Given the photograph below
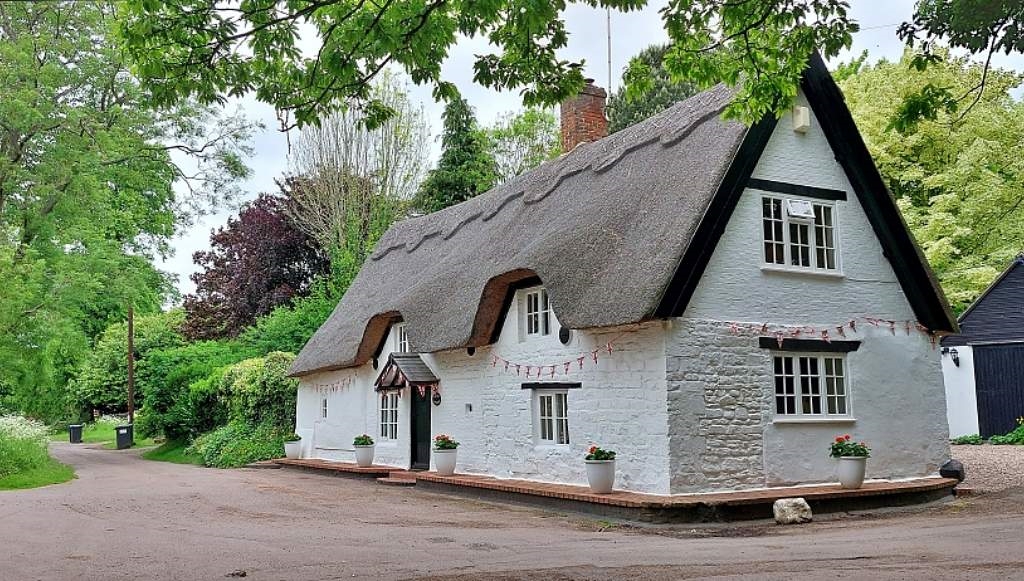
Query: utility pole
608, 14
131, 366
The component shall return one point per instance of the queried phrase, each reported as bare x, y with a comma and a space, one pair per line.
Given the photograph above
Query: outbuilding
983, 365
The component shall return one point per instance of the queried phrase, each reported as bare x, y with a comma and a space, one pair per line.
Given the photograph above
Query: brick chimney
583, 117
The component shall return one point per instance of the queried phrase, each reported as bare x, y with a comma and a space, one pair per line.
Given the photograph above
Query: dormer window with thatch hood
536, 309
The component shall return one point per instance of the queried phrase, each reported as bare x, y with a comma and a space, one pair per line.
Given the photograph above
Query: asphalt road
128, 518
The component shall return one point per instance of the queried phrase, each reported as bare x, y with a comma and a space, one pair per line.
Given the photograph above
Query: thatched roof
618, 230
603, 227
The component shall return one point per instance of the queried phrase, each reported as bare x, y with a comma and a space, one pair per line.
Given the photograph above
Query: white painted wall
620, 406
895, 381
961, 394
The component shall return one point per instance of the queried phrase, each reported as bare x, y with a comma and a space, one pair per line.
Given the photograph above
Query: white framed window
551, 416
389, 416
808, 384
799, 233
323, 408
536, 313
401, 338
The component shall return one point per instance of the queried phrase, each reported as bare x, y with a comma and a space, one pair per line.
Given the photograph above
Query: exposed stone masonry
716, 398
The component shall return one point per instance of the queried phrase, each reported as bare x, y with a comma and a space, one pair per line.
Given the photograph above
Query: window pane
799, 244
785, 396
835, 386
824, 237
772, 223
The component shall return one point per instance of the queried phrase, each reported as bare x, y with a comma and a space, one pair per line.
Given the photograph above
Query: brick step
390, 481
403, 475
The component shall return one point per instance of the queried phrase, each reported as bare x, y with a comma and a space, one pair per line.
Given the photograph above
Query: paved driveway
128, 518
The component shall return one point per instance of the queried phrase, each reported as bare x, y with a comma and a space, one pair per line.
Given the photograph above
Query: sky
630, 33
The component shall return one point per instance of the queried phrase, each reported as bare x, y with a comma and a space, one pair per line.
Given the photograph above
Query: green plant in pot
600, 469
364, 450
445, 452
293, 446
852, 458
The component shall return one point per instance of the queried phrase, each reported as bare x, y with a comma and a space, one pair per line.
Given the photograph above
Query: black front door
420, 430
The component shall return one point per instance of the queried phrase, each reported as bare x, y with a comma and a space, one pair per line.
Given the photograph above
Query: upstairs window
401, 339
537, 313
810, 385
799, 233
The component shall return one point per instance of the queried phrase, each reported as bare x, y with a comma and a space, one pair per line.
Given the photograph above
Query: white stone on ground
789, 511
991, 468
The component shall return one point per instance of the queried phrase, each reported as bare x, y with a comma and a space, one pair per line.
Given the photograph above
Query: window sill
550, 447
821, 420
811, 272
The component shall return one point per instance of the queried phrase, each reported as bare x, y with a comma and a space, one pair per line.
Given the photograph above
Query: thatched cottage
715, 302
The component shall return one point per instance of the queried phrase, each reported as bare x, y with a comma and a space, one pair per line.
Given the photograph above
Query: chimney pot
583, 118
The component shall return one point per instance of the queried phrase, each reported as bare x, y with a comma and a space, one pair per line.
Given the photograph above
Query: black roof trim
552, 385
808, 345
915, 276
796, 189
712, 225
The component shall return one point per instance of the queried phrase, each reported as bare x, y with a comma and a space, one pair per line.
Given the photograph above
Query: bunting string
334, 386
828, 333
550, 370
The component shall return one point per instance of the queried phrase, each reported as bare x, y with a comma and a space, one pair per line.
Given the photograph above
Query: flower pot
444, 461
364, 455
293, 450
601, 475
851, 471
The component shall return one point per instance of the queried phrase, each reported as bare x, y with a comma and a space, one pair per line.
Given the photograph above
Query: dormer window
799, 233
401, 338
536, 312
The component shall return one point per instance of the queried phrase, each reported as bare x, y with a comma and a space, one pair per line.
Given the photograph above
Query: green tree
87, 169
190, 48
466, 168
961, 186
521, 141
102, 382
662, 92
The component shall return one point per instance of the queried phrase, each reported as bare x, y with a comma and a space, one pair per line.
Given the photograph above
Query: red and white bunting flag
608, 347
779, 338
825, 337
734, 328
593, 355
764, 328
566, 367
494, 360
580, 360
552, 371
908, 327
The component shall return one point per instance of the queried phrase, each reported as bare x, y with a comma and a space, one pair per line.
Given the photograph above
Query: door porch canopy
406, 370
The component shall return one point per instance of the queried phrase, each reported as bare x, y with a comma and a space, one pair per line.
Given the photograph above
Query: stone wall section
716, 402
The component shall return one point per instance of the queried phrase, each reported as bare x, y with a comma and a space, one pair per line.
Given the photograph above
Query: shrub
22, 445
1014, 437
364, 440
972, 440
259, 391
238, 444
181, 388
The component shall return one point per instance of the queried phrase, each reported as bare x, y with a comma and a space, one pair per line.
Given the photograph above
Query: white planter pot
364, 455
851, 471
601, 475
293, 450
444, 461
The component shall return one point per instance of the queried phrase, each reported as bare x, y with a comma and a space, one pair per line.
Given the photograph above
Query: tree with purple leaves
256, 263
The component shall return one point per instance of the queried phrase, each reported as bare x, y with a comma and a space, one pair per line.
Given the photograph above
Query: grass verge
172, 451
51, 472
